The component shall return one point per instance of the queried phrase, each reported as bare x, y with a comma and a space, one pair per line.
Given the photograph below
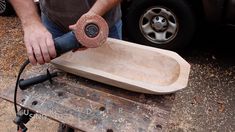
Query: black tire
5, 8
182, 13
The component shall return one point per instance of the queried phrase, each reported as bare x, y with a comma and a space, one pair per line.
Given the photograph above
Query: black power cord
17, 83
16, 86
63, 44
22, 119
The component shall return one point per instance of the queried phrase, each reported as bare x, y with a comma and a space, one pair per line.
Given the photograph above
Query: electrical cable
17, 83
16, 86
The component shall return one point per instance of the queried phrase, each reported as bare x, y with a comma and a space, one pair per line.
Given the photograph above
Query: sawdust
12, 55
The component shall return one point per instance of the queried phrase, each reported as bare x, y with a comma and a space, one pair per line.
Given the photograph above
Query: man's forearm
26, 11
102, 6
39, 43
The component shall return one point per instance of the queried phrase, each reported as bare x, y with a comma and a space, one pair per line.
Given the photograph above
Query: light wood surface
129, 66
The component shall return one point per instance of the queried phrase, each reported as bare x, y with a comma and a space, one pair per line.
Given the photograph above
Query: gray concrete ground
206, 105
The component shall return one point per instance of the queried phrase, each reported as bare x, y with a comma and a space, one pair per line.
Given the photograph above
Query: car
5, 8
166, 24
172, 24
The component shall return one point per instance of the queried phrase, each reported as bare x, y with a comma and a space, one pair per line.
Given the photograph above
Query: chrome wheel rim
3, 6
159, 25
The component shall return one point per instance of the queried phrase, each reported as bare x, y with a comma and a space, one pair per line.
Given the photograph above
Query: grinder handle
24, 84
66, 43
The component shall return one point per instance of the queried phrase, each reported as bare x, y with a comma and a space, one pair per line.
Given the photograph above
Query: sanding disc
92, 30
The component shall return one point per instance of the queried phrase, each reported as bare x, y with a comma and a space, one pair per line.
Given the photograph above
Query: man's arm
99, 8
103, 6
26, 10
38, 40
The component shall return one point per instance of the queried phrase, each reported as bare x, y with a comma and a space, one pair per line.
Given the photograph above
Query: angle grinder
91, 32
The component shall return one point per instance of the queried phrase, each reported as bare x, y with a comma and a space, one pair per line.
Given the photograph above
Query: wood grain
130, 66
92, 106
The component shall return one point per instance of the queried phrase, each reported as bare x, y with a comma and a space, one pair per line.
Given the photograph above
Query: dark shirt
66, 12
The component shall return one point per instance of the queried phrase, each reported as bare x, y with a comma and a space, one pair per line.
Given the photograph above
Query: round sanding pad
92, 30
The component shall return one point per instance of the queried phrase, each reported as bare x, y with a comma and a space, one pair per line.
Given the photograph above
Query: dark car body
188, 16
167, 24
219, 11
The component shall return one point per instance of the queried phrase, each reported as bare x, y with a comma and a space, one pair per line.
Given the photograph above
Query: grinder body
66, 43
91, 33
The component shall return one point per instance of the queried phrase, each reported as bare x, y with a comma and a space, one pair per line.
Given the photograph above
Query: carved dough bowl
129, 66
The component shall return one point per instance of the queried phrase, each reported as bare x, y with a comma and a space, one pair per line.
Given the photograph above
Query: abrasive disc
92, 30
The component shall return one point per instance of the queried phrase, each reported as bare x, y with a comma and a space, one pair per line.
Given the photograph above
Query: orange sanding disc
92, 30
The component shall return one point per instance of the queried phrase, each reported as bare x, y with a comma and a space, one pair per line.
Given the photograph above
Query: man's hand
103, 6
38, 41
39, 44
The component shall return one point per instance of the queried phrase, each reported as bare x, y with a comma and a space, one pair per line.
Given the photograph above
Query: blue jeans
114, 32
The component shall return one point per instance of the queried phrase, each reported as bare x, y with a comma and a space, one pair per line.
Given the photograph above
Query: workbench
88, 105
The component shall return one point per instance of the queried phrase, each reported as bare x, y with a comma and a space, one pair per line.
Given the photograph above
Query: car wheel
167, 24
5, 8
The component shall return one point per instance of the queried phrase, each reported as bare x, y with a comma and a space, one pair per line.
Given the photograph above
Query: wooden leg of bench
65, 128
1, 100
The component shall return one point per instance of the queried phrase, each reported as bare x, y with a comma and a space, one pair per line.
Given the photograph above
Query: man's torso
66, 12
